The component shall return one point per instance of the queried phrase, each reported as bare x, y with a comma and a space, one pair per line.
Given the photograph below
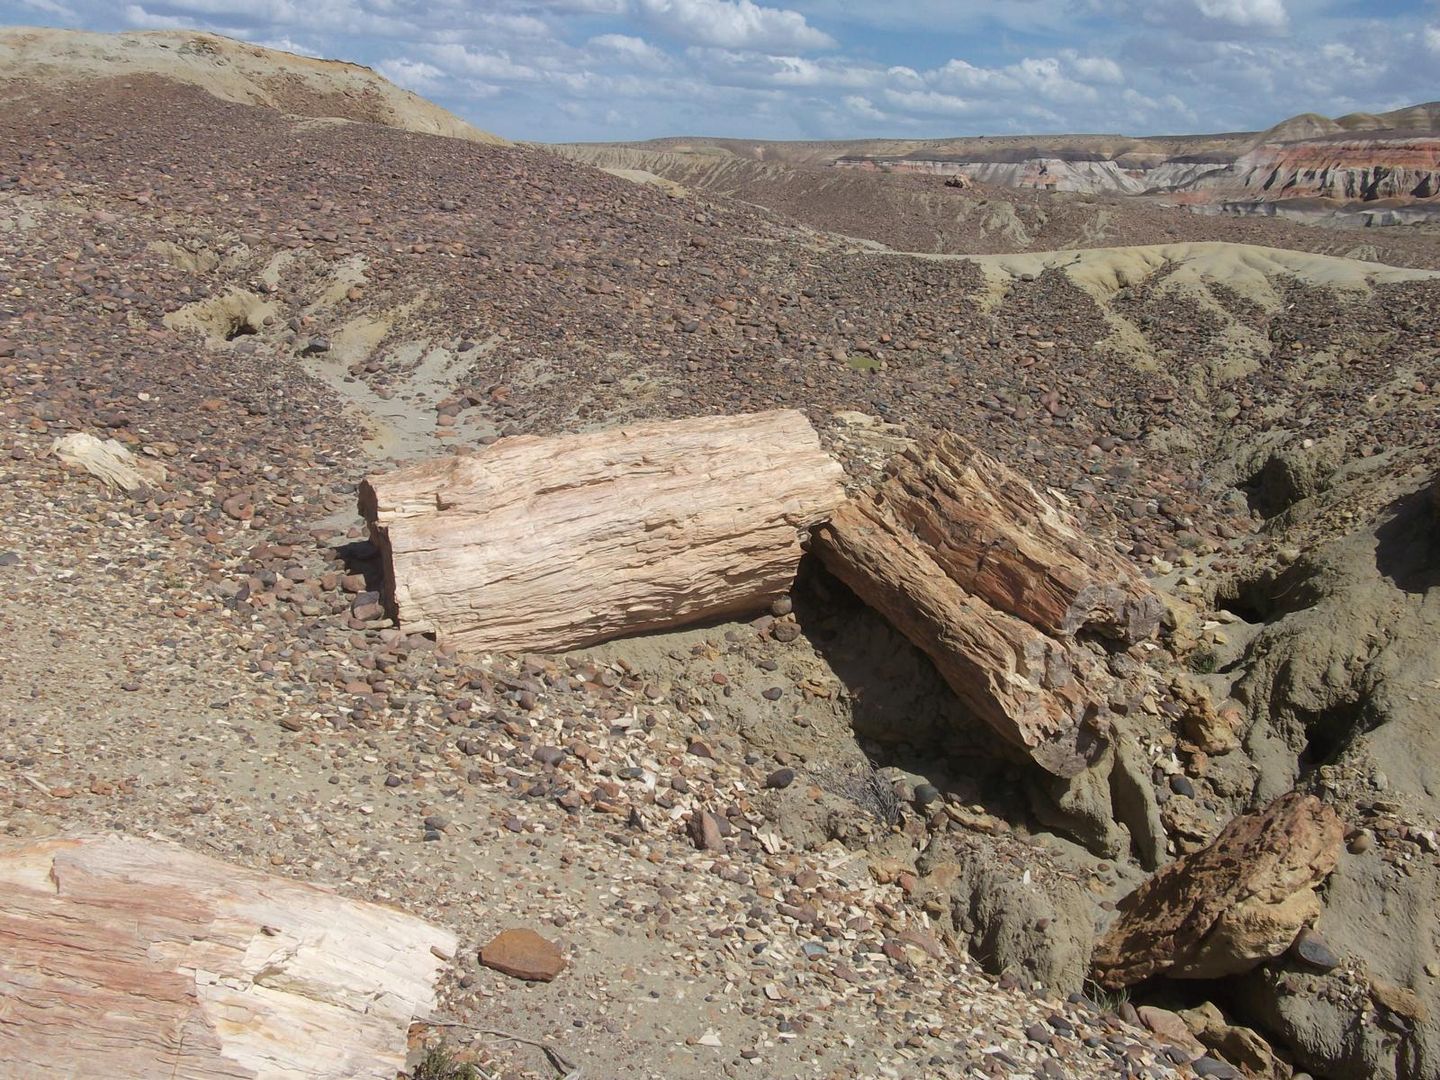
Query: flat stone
523, 954
1313, 951
1209, 1066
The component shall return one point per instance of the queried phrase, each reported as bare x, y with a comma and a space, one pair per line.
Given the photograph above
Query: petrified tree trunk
992, 581
126, 957
554, 543
995, 536
1018, 681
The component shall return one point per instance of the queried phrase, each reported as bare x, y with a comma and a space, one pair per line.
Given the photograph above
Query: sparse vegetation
440, 1063
1203, 661
1108, 1000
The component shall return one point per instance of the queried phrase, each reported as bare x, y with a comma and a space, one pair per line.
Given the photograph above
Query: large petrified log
553, 543
1230, 906
995, 536
1018, 681
991, 580
126, 957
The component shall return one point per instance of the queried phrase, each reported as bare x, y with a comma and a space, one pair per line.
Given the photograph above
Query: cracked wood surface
551, 543
129, 957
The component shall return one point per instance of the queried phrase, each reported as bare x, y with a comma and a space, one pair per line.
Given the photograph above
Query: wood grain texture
544, 544
1030, 689
997, 537
124, 957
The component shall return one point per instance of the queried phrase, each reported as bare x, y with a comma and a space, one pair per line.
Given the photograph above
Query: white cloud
629, 49
414, 75
1099, 69
50, 7
459, 60
733, 24
137, 16
929, 102
733, 68
1431, 37
1268, 14
285, 44
863, 107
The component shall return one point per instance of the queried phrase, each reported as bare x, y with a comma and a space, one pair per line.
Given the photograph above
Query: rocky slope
230, 70
883, 892
918, 212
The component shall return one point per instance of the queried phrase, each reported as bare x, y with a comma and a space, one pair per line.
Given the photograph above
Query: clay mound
230, 70
1412, 120
1250, 269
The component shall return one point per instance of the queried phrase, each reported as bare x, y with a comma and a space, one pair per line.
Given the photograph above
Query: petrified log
997, 537
126, 957
544, 544
1018, 681
1228, 907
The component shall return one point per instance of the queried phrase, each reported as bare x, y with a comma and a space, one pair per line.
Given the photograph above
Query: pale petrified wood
1029, 688
998, 538
123, 957
543, 544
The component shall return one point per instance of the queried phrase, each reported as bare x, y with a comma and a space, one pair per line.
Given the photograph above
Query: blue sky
827, 69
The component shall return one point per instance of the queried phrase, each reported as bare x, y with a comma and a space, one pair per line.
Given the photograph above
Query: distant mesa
1381, 168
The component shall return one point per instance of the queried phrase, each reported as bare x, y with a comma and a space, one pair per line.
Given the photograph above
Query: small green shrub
439, 1064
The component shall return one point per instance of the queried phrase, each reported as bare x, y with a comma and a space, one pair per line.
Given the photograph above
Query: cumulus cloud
734, 68
477, 63
50, 7
290, 45
633, 50
929, 102
1099, 69
864, 108
138, 17
1269, 14
733, 24
414, 75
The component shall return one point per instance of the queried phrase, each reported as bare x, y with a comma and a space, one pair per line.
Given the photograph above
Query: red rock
523, 954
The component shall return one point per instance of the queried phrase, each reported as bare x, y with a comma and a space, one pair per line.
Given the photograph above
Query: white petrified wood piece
124, 957
550, 543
